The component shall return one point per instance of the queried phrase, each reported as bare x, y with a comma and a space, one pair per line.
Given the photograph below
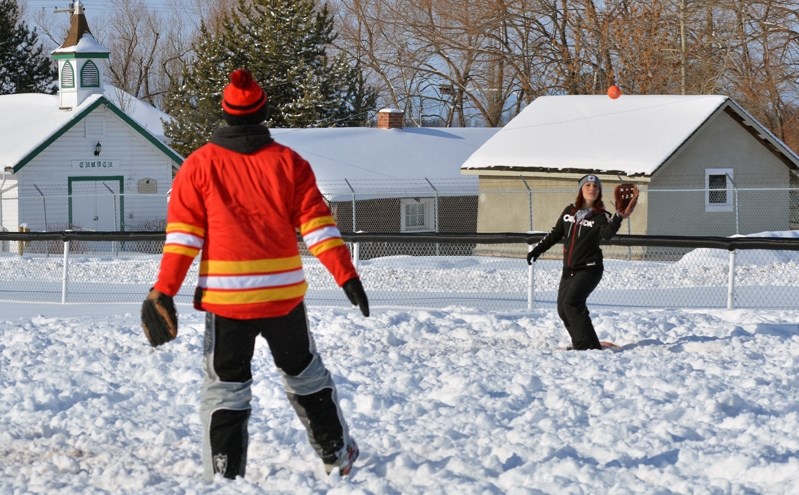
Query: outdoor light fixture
98, 148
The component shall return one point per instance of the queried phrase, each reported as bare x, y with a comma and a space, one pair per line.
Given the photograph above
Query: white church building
89, 158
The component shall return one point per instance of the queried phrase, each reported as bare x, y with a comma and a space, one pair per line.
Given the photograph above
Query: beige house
702, 164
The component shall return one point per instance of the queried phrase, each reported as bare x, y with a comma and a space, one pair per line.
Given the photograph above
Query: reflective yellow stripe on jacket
185, 239
252, 281
321, 234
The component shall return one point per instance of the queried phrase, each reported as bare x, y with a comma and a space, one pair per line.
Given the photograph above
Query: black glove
533, 255
159, 319
355, 293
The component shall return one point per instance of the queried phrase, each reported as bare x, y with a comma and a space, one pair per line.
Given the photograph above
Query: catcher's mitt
159, 319
626, 197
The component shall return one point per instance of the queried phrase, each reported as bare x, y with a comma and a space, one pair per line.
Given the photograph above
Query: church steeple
81, 61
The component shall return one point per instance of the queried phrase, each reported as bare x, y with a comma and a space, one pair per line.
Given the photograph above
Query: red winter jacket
241, 199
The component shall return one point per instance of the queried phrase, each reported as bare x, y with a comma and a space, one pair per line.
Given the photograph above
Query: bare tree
479, 62
135, 41
149, 45
765, 76
440, 61
386, 37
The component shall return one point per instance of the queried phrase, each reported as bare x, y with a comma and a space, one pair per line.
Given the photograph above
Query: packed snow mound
762, 257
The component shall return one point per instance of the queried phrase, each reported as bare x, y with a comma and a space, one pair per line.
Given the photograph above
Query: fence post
356, 253
21, 245
530, 281
734, 202
435, 213
44, 205
529, 200
117, 223
731, 281
65, 272
352, 190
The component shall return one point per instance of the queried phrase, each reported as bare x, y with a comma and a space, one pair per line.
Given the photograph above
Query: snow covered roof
633, 134
398, 156
86, 44
143, 113
29, 121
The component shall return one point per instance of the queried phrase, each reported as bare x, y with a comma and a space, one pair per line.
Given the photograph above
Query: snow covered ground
451, 400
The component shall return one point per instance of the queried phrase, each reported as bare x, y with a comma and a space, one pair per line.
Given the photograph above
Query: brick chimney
390, 118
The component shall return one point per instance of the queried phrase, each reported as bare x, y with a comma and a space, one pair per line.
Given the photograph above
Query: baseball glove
159, 319
626, 197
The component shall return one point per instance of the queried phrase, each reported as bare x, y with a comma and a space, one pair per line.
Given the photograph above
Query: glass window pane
718, 189
414, 215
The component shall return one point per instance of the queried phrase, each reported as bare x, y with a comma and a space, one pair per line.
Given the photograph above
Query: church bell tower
81, 62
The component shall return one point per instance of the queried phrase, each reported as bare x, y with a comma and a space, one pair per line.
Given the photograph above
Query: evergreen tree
24, 68
284, 44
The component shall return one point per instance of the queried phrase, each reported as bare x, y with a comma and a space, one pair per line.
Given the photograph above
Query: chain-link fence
486, 274
121, 271
456, 205
97, 205
515, 204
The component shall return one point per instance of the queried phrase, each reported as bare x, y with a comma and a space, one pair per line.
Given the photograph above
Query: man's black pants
226, 390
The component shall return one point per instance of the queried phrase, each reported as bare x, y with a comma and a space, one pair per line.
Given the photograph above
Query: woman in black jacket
581, 226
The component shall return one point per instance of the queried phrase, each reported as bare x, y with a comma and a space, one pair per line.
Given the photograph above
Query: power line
92, 7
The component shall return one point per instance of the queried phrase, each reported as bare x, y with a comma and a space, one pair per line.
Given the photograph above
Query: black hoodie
242, 138
581, 240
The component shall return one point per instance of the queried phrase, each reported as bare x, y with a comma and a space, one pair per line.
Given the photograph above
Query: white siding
9, 210
125, 153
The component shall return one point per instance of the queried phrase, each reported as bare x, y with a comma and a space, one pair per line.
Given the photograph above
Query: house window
67, 76
718, 189
89, 75
417, 214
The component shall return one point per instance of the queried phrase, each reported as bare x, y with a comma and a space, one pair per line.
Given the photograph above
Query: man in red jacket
240, 201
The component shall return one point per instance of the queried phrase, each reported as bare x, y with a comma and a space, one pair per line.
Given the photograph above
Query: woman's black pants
575, 287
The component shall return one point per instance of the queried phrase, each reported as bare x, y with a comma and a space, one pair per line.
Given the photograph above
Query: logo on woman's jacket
572, 219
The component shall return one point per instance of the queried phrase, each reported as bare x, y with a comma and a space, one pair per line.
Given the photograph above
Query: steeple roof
77, 28
80, 39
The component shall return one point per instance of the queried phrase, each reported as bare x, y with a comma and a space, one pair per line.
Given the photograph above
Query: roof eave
169, 152
762, 134
508, 170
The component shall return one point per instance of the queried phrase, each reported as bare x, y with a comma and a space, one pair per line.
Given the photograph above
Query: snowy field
453, 400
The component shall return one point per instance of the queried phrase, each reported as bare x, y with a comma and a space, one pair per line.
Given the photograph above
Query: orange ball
614, 92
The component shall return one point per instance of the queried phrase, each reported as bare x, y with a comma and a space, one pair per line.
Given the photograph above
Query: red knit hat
243, 96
